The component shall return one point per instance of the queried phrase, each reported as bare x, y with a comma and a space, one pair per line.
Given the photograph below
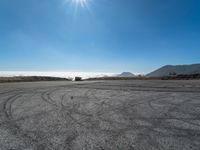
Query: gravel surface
106, 115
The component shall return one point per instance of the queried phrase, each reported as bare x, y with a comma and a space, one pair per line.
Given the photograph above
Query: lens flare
82, 3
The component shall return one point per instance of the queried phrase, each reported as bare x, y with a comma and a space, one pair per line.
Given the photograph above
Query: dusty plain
100, 115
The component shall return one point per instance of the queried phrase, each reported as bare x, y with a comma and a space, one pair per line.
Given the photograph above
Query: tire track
157, 124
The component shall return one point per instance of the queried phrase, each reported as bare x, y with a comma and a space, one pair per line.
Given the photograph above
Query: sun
82, 3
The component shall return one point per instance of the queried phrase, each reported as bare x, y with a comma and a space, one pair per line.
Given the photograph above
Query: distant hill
170, 70
126, 74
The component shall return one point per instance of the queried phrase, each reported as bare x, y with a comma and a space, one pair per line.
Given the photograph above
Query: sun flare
82, 3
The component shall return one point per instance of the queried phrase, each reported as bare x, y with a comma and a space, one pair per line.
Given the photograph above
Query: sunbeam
81, 3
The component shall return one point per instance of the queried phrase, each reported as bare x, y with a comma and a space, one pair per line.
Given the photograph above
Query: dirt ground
100, 115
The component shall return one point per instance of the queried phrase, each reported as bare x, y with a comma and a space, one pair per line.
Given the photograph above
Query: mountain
170, 70
126, 74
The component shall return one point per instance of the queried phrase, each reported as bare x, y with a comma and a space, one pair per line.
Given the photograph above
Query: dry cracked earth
106, 115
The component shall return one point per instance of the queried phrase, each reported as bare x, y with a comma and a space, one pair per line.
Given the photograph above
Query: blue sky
105, 36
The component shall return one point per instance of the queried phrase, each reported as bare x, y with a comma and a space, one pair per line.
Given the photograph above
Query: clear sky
98, 35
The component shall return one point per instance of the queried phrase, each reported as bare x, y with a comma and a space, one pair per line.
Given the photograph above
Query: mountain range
173, 70
126, 74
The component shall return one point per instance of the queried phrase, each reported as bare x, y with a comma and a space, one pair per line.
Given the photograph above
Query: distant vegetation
169, 77
122, 78
178, 77
30, 79
182, 77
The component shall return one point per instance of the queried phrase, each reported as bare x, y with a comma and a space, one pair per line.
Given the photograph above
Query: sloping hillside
170, 70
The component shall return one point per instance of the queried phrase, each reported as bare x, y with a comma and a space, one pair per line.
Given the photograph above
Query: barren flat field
100, 115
